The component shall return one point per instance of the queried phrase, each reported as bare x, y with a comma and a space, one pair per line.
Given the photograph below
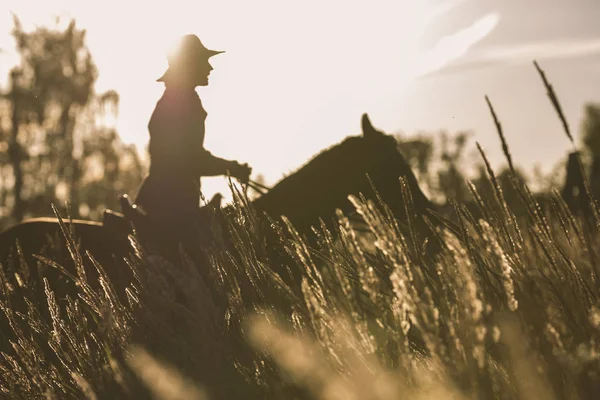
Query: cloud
456, 45
523, 54
445, 7
541, 50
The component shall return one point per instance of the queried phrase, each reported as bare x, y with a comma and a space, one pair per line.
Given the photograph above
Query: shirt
177, 130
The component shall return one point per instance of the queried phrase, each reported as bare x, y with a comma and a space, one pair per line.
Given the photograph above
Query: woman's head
188, 62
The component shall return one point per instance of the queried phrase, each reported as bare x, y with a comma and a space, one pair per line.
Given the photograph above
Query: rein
257, 187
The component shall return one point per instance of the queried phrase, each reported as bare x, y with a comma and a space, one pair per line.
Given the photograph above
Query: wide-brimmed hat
187, 51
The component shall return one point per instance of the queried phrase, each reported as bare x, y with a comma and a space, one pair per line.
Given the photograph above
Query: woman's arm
209, 165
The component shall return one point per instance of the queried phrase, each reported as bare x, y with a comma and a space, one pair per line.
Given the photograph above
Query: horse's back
46, 236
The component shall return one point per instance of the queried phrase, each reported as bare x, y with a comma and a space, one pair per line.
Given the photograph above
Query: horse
357, 165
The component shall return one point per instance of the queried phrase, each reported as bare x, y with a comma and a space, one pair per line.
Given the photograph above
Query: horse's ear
215, 202
368, 130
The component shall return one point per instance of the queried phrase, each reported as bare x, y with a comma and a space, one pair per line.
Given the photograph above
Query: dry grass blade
555, 103
505, 148
165, 382
70, 241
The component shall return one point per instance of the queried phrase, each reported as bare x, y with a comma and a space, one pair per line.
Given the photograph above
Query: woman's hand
240, 171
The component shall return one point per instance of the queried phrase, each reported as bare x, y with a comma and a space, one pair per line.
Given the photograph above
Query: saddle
134, 213
133, 217
119, 223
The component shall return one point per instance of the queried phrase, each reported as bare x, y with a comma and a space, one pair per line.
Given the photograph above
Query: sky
296, 76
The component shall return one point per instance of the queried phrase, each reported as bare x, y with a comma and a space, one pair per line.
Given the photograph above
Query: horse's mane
311, 172
320, 162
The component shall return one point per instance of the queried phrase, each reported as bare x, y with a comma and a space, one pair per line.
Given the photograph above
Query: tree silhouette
590, 136
55, 129
419, 152
438, 161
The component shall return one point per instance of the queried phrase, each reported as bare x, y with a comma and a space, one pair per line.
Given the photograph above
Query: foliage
438, 160
590, 130
591, 142
59, 135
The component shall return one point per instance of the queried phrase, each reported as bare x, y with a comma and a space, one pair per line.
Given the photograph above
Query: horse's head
385, 165
325, 182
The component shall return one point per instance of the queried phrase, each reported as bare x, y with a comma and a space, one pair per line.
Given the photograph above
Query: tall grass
507, 309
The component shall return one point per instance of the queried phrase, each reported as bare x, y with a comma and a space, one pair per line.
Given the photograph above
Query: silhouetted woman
170, 194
